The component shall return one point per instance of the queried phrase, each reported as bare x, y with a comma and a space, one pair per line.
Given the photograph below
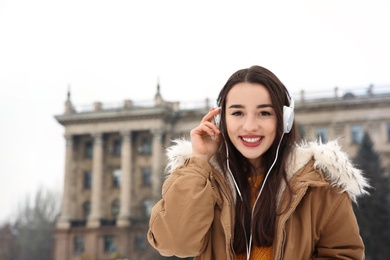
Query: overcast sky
109, 51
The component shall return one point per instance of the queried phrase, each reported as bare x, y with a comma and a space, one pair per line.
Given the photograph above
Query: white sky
114, 50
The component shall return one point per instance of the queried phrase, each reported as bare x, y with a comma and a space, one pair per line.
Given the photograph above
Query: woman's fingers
205, 137
209, 116
210, 128
206, 128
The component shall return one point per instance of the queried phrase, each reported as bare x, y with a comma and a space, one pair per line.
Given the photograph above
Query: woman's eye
237, 113
265, 113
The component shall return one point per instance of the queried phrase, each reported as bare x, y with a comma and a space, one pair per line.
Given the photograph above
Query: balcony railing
370, 91
127, 104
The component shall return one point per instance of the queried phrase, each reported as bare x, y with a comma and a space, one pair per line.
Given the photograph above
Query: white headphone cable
248, 247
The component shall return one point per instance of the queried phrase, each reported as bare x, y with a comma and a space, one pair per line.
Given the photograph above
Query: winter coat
195, 216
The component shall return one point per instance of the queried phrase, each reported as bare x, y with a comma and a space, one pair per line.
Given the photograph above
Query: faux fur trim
334, 164
329, 159
177, 154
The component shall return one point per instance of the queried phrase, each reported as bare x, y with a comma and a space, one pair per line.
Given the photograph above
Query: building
115, 161
114, 169
346, 116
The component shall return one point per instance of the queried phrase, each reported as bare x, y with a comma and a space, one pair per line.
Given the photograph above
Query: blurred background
110, 51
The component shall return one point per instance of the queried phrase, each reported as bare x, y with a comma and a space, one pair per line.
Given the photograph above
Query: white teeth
251, 140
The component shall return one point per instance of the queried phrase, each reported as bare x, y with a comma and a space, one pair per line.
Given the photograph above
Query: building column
126, 181
97, 182
156, 165
66, 204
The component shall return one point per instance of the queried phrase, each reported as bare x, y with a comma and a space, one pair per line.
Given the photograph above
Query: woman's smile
251, 141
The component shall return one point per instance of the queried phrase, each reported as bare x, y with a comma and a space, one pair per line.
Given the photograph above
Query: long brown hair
265, 211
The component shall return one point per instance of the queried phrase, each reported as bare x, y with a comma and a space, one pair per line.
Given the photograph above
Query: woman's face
250, 120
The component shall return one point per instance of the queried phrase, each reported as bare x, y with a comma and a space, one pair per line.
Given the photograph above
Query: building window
117, 146
115, 207
388, 132
322, 134
139, 242
339, 129
87, 180
88, 150
146, 146
86, 209
78, 243
147, 207
108, 244
357, 134
146, 176
116, 178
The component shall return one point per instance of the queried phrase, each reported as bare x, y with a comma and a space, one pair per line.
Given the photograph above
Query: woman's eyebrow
265, 105
236, 106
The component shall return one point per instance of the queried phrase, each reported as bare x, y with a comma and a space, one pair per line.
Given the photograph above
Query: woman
245, 190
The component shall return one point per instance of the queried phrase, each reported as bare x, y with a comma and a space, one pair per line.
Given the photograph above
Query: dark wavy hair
266, 209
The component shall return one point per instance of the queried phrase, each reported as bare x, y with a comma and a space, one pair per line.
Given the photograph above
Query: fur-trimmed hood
328, 158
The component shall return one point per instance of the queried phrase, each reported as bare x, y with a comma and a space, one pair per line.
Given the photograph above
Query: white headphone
288, 115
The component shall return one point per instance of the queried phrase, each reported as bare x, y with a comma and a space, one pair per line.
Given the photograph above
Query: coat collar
329, 159
333, 163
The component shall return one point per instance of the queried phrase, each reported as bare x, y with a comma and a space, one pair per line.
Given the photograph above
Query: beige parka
195, 216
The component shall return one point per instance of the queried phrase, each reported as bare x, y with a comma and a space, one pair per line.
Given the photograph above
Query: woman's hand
205, 138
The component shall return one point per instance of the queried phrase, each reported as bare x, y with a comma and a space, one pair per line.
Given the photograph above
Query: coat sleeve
180, 222
340, 237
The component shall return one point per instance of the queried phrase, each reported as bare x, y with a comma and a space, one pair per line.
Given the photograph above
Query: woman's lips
251, 141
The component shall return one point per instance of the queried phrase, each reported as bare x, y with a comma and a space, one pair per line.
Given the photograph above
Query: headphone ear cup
217, 120
288, 119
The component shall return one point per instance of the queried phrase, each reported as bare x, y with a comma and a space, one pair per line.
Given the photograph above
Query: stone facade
114, 168
114, 162
346, 116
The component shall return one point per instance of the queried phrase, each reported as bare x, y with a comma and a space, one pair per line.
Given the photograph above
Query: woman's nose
251, 124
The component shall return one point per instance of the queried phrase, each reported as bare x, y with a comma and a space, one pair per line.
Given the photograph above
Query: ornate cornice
343, 104
115, 115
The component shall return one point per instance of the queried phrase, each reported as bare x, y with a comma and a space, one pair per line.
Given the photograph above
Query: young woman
244, 189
